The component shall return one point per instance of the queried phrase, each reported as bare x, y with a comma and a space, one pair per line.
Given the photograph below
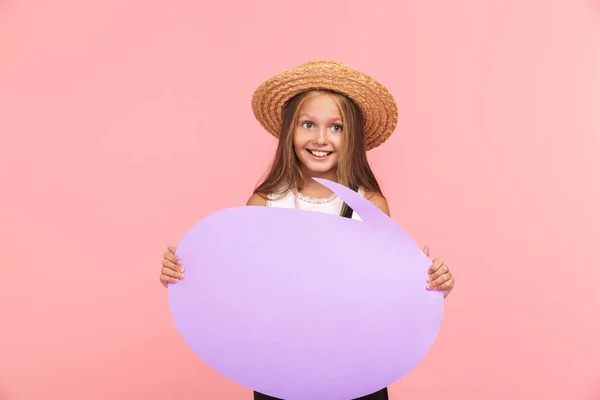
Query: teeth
319, 153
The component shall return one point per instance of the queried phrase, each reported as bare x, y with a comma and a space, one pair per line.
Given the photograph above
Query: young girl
326, 116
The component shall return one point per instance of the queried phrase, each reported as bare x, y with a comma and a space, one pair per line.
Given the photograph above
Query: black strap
348, 211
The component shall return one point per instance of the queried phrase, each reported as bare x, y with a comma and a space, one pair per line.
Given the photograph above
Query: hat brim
376, 104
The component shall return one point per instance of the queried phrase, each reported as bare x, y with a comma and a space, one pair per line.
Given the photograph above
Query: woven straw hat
375, 102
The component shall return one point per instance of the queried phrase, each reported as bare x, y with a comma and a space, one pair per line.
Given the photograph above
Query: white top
330, 205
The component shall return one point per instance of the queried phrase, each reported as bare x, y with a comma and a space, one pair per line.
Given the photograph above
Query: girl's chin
320, 169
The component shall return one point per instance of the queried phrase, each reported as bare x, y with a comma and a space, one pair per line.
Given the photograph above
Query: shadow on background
4, 395
5, 4
595, 392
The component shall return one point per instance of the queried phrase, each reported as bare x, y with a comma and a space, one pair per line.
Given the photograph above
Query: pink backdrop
124, 122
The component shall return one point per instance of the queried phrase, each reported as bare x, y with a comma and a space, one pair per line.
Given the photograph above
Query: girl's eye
307, 124
337, 128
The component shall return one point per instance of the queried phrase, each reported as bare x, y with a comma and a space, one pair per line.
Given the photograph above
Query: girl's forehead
322, 104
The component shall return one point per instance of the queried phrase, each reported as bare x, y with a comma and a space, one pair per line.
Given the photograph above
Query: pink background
124, 122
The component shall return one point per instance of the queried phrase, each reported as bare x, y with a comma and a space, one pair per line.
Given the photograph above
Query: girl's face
318, 136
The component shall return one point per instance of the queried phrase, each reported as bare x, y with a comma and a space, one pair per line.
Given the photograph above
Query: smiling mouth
318, 153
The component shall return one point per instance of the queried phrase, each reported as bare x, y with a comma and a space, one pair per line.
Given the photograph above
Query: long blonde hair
353, 169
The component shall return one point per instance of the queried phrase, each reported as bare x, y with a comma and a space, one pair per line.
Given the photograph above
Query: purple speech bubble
305, 305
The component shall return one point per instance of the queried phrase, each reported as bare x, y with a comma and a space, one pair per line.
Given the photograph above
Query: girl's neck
314, 189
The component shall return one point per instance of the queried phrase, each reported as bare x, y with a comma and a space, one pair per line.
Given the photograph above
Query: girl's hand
172, 271
440, 277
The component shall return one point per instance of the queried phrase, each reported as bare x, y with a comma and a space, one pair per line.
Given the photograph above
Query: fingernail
179, 262
429, 287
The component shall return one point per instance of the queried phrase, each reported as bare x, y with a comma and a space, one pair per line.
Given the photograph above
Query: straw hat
375, 102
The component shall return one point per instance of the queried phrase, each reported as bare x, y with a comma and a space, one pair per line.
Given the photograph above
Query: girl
326, 116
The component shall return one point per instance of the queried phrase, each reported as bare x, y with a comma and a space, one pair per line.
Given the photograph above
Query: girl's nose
320, 137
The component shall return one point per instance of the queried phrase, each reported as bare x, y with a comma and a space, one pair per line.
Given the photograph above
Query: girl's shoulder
378, 200
257, 200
